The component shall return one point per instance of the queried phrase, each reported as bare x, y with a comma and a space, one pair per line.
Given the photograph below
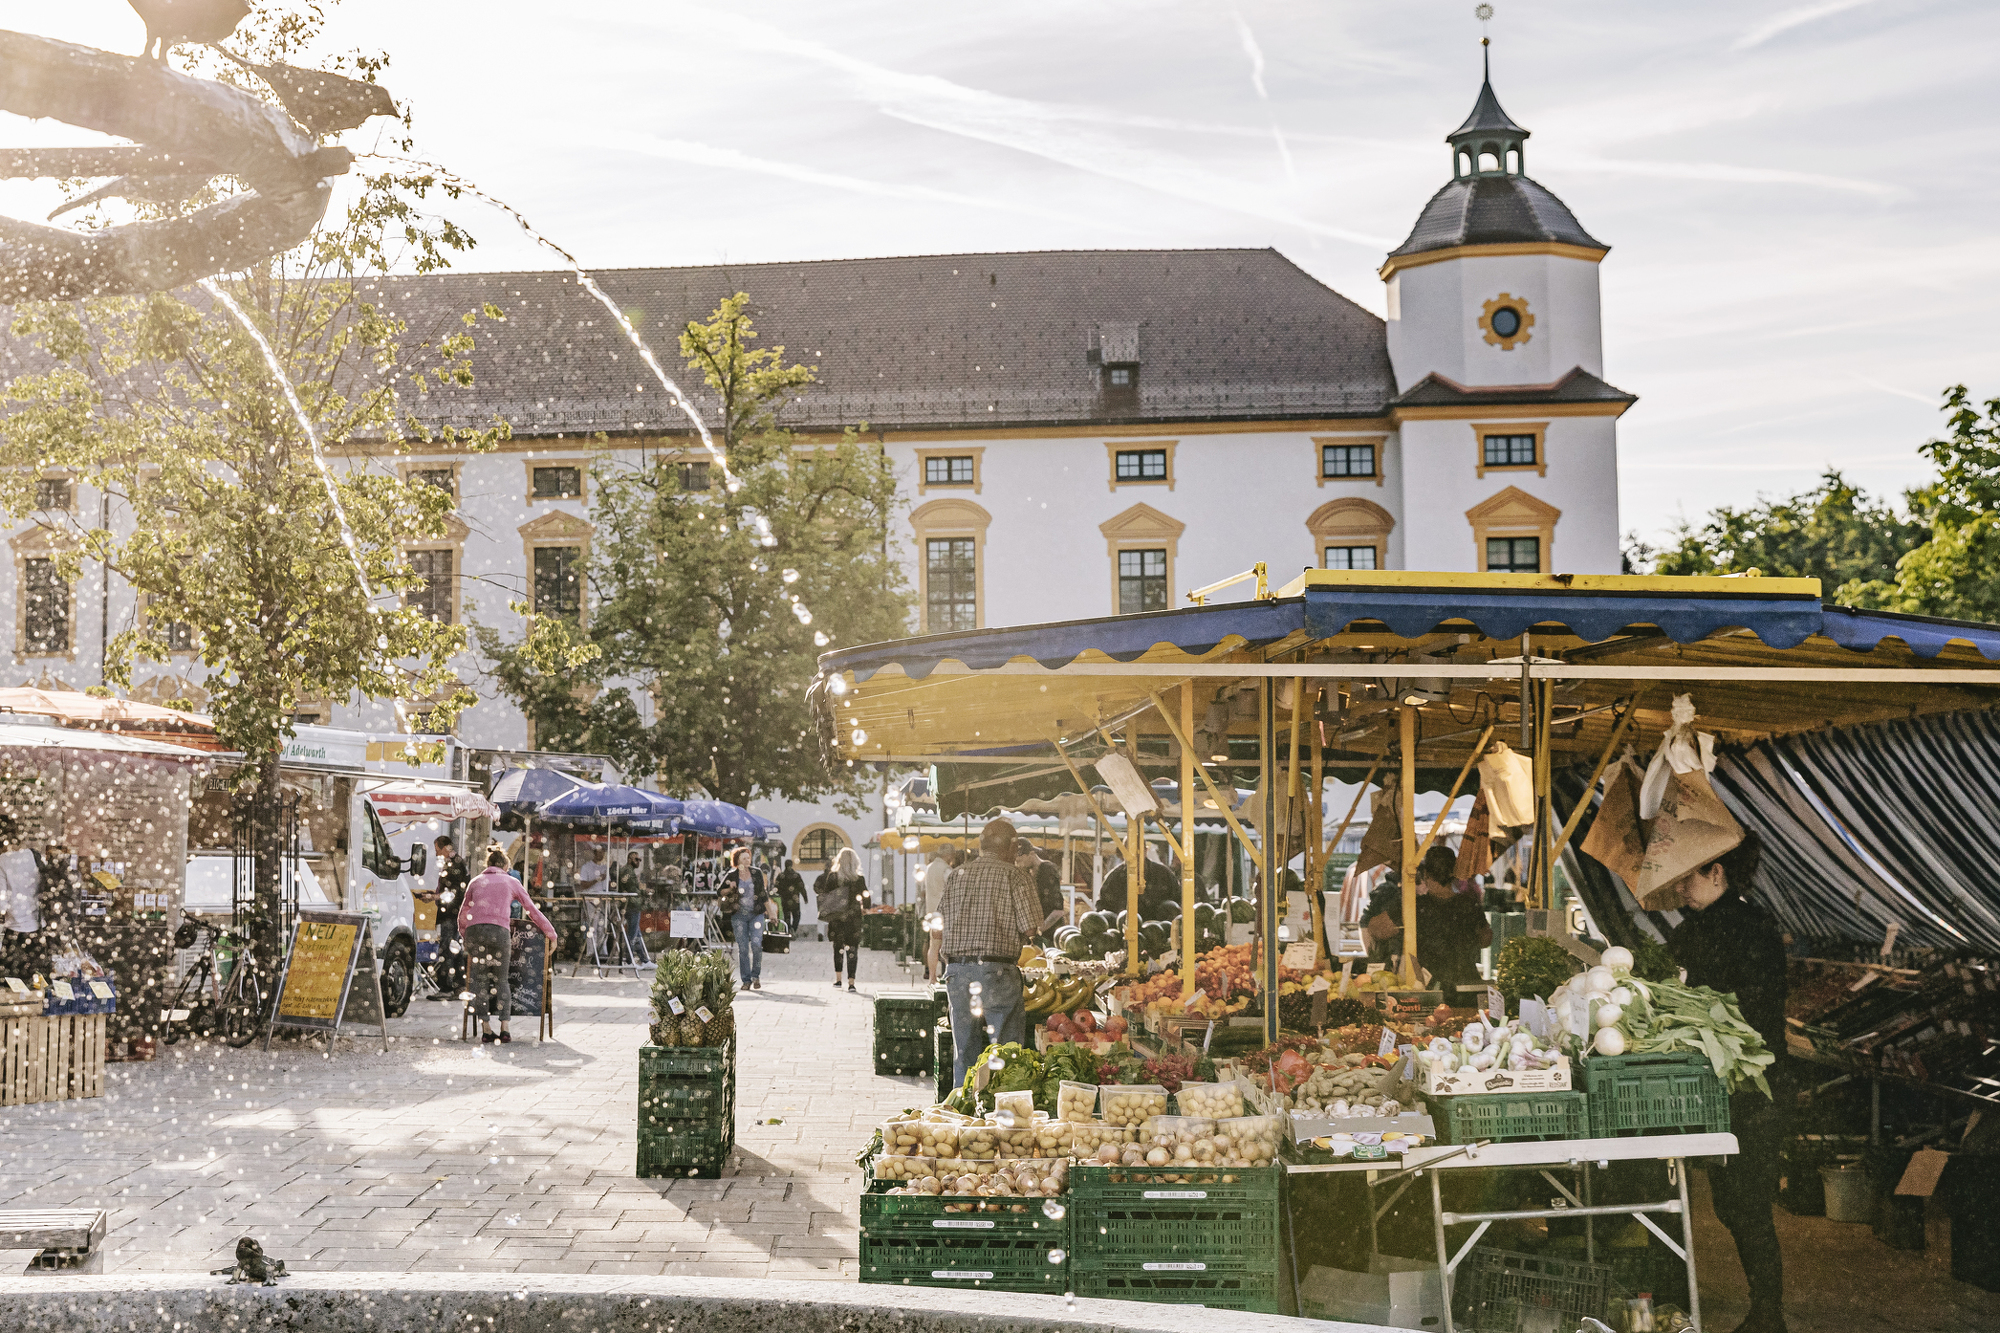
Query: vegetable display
1610, 1011
1509, 1045
1531, 966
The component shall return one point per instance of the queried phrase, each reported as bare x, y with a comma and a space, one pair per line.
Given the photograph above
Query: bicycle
232, 1009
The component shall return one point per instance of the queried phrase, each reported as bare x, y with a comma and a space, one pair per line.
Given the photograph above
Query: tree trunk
267, 831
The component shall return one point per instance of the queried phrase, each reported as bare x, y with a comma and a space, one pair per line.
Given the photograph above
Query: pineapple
718, 1030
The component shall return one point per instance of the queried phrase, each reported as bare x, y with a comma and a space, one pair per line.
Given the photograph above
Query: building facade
1076, 433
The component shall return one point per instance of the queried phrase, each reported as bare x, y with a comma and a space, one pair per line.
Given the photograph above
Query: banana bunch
1058, 995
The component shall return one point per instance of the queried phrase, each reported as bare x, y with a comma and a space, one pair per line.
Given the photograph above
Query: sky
1798, 196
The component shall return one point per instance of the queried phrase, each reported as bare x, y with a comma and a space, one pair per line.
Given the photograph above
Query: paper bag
1507, 781
1694, 827
1475, 847
1682, 750
1382, 844
1615, 840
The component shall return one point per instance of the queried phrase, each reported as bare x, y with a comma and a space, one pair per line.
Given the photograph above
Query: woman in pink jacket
482, 924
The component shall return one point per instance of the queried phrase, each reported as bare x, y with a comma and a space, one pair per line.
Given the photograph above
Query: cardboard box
1399, 1293
1462, 1080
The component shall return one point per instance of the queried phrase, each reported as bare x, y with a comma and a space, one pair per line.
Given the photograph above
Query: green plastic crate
886, 1216
998, 1263
1142, 1185
1507, 1117
1654, 1094
1136, 1226
1254, 1292
674, 1061
905, 1015
945, 1057
904, 1055
686, 1148
880, 930
697, 1097
1499, 1289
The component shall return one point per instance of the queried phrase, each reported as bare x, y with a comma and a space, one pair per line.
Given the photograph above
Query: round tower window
1506, 321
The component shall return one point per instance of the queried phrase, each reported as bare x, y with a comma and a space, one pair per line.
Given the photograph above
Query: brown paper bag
1382, 844
1615, 840
1694, 827
1475, 848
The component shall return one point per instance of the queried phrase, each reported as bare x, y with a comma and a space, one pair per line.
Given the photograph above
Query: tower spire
1489, 143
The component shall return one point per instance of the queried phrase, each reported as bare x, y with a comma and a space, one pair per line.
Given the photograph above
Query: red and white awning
427, 800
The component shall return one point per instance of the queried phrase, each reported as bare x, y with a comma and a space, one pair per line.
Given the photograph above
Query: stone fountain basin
352, 1302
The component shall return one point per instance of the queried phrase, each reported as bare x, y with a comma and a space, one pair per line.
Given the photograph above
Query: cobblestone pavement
446, 1156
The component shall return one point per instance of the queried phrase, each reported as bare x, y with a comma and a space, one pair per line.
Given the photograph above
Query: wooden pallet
74, 1229
51, 1059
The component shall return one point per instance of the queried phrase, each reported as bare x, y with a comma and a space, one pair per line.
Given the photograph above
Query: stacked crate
687, 1109
1510, 1117
923, 1240
881, 930
1498, 1291
1209, 1237
1654, 1094
904, 1033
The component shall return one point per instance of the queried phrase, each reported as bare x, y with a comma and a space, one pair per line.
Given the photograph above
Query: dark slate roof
1489, 210
1487, 118
924, 341
1579, 386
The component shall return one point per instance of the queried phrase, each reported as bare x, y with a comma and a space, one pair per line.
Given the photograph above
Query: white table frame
604, 914
1572, 1154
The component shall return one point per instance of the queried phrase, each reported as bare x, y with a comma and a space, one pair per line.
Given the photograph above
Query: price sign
1496, 1004
686, 925
1300, 957
702, 1013
675, 1006
1346, 977
1320, 986
18, 986
63, 990
1388, 1046
100, 990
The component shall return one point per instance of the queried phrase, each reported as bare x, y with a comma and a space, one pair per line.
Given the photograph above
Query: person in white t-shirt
20, 883
591, 876
943, 862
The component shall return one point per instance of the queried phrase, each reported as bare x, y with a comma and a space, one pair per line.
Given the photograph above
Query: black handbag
777, 941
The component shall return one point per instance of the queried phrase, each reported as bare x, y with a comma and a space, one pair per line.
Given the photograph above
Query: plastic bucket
1848, 1197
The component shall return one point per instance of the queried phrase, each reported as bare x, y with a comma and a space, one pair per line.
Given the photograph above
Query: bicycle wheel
242, 1006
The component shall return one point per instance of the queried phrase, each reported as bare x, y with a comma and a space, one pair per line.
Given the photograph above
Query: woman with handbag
745, 900
839, 894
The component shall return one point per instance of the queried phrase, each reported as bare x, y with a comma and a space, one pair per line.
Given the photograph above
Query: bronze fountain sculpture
186, 132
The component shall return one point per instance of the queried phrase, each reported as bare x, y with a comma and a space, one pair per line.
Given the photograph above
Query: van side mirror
420, 859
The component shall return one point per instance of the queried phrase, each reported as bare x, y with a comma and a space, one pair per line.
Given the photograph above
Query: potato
1133, 1105
1216, 1101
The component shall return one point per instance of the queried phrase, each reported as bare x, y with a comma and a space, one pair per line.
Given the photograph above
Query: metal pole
1267, 896
1408, 816
1189, 943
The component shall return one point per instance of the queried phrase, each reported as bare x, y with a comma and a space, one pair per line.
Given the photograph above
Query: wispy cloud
1256, 54
1796, 17
1054, 133
1728, 173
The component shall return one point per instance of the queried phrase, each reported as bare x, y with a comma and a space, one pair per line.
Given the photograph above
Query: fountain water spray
762, 525
227, 302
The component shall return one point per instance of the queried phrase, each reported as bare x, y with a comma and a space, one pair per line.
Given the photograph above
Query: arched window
817, 846
1513, 161
1488, 159
1351, 533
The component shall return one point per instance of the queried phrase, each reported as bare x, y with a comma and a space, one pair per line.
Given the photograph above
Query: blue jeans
1001, 1020
748, 926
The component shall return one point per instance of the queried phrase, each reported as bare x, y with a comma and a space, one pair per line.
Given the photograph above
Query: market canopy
75, 708
429, 800
611, 803
1762, 657
530, 787
720, 819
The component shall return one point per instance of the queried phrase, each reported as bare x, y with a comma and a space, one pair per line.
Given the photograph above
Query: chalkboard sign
525, 965
330, 952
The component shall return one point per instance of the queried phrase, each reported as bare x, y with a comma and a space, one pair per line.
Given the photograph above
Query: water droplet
1057, 1256
860, 736
996, 1064
975, 988
820, 640
1053, 1209
791, 576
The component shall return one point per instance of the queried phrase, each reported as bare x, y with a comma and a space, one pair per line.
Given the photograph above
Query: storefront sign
330, 952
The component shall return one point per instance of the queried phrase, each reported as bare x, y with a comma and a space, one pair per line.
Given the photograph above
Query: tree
1956, 573
713, 590
1834, 533
229, 534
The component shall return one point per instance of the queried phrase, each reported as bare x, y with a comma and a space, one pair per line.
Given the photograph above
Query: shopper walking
453, 875
483, 922
840, 894
790, 889
1729, 944
990, 912
745, 899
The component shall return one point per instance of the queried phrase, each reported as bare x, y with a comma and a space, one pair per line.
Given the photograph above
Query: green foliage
1652, 962
712, 602
1833, 533
1955, 574
1532, 966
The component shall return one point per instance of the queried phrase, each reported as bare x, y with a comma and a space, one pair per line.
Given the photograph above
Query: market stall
1410, 682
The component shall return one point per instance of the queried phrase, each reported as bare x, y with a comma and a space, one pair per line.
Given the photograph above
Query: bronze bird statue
171, 22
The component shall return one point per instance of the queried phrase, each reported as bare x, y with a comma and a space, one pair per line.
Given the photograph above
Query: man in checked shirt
990, 911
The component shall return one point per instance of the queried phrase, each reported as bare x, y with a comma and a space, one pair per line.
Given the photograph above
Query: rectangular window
47, 608
558, 483
559, 581
951, 584
1510, 451
1514, 555
1119, 377
948, 471
52, 493
439, 477
1142, 465
1347, 460
1142, 581
179, 636
1350, 557
433, 599
694, 476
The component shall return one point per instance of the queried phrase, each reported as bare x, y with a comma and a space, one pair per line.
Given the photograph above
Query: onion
1610, 1041
1618, 958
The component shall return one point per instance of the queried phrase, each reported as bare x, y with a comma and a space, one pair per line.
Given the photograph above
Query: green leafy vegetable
1666, 1016
1532, 966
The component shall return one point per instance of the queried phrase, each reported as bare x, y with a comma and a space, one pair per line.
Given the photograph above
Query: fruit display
1084, 1026
1609, 1011
1052, 994
1036, 1140
1195, 1143
1132, 1104
1088, 1138
687, 986
920, 1138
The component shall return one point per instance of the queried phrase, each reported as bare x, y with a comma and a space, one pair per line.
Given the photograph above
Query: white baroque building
1077, 433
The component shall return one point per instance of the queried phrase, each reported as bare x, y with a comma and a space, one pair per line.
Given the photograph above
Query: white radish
1610, 1041
1601, 978
1617, 958
1610, 1016
1621, 996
